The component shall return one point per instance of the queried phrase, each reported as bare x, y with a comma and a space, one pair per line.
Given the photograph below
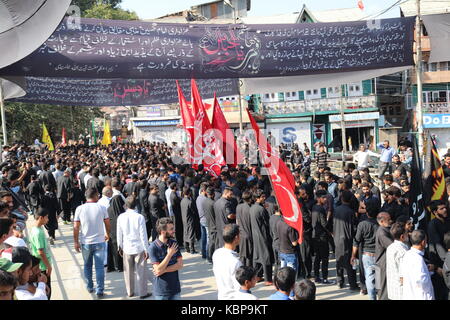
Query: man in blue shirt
166, 260
284, 283
387, 152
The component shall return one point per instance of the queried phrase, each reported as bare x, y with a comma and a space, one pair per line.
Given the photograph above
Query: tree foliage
24, 120
106, 11
88, 4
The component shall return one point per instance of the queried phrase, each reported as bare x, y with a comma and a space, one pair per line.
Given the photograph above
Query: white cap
15, 242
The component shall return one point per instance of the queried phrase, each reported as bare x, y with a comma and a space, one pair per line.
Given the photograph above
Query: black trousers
277, 259
154, 231
320, 247
343, 263
212, 246
306, 257
264, 270
115, 261
178, 222
66, 209
148, 227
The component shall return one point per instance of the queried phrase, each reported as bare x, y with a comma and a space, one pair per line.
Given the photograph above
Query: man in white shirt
203, 224
362, 156
225, 263
132, 241
394, 257
92, 220
172, 188
107, 193
117, 188
416, 277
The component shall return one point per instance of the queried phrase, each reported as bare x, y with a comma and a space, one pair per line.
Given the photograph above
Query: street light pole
343, 135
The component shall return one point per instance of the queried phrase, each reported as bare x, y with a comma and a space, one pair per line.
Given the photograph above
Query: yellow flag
106, 135
46, 138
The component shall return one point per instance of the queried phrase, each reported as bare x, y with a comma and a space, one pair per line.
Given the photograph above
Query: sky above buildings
149, 9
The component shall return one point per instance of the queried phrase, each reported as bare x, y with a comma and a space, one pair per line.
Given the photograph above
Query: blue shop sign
436, 120
156, 123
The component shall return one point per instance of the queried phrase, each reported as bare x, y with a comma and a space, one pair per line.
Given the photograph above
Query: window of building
267, 96
273, 95
432, 67
443, 66
288, 94
354, 89
312, 94
294, 94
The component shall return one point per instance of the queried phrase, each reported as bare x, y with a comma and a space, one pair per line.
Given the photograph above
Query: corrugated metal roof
427, 7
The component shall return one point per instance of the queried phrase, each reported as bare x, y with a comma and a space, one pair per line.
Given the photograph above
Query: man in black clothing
320, 237
288, 239
208, 210
383, 239
46, 177
262, 242
397, 164
35, 193
364, 246
156, 207
391, 205
437, 228
224, 214
175, 203
305, 247
95, 182
64, 194
343, 232
273, 221
245, 230
131, 188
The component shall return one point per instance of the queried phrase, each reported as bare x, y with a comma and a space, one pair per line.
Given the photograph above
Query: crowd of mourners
133, 203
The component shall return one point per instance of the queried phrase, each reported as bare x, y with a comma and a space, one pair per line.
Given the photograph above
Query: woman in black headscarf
116, 207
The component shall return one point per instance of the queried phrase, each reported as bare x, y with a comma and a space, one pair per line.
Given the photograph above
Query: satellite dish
13, 87
26, 24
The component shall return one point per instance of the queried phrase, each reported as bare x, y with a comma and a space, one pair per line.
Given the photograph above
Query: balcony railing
317, 105
436, 107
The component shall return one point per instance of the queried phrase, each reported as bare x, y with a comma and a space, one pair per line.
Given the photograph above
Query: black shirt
286, 235
366, 235
319, 223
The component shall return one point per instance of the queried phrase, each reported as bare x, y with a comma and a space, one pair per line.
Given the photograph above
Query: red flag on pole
283, 182
64, 139
205, 143
230, 151
188, 124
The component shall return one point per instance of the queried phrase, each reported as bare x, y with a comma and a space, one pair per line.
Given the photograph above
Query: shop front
359, 128
164, 130
438, 125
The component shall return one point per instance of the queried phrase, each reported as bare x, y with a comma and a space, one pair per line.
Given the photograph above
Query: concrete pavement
197, 279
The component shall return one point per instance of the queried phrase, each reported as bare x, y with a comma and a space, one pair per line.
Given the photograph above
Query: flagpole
2, 108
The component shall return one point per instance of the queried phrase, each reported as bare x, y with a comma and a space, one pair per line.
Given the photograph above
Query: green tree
107, 11
24, 120
88, 4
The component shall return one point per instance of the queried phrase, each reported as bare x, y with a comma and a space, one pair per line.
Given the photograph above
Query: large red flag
205, 143
188, 124
230, 151
64, 139
283, 182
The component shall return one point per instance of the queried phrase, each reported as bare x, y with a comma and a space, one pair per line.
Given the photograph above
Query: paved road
197, 279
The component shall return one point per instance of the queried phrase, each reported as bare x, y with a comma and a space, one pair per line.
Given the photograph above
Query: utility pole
419, 78
2, 110
344, 136
228, 3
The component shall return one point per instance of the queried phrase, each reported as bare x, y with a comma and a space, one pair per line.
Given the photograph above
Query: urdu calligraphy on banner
119, 92
104, 49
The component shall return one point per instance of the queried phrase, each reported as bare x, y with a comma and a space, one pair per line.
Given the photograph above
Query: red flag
230, 151
361, 4
283, 182
64, 139
188, 124
205, 143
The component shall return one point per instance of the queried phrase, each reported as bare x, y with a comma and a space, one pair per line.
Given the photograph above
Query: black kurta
175, 202
50, 203
222, 208
383, 239
208, 210
245, 231
47, 178
189, 214
262, 241
343, 230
